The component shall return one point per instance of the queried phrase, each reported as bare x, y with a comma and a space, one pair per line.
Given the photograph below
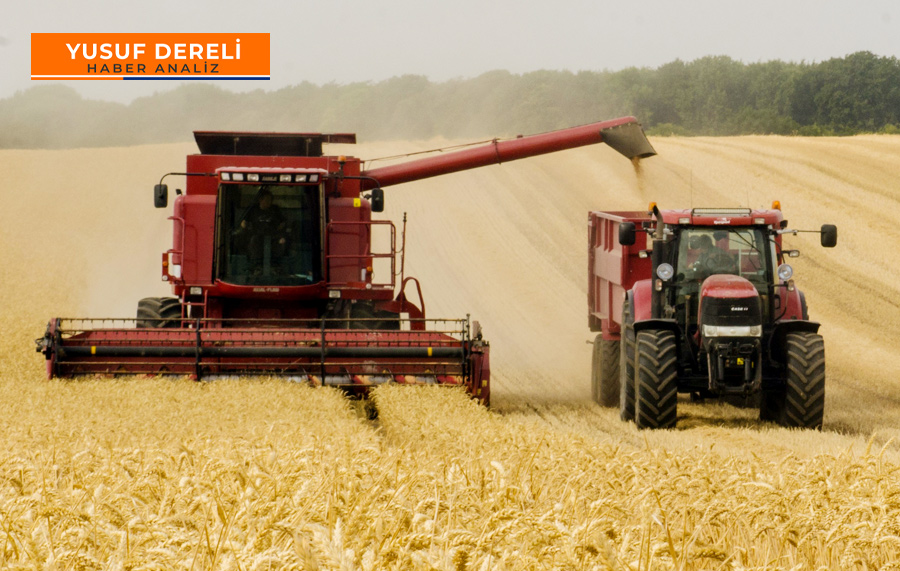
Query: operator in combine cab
711, 259
268, 230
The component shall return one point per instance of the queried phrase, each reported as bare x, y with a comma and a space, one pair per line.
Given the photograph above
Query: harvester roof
267, 144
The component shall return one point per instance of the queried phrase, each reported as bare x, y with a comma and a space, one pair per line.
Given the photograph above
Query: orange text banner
149, 56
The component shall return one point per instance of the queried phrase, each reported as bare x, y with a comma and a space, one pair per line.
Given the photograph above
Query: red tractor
703, 303
274, 272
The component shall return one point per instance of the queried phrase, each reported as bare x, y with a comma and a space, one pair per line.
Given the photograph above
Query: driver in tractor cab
709, 258
267, 228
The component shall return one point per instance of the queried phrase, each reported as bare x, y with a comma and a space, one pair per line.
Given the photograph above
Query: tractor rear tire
158, 312
626, 366
656, 399
803, 405
605, 372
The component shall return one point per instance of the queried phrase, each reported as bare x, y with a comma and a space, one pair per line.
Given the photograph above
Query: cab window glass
737, 251
268, 235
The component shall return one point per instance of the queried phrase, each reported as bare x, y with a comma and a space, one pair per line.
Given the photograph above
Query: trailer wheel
803, 404
605, 372
626, 365
656, 399
158, 312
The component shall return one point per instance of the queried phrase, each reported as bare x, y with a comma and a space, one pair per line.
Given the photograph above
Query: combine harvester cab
275, 272
702, 302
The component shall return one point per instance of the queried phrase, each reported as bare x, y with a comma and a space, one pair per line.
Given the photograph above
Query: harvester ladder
186, 307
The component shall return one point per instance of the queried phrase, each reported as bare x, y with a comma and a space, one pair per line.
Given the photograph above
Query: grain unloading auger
274, 271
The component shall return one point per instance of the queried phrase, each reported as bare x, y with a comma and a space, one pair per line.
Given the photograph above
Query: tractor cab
743, 252
699, 253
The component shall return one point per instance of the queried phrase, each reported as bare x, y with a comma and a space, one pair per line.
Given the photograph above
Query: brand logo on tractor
722, 221
266, 289
738, 308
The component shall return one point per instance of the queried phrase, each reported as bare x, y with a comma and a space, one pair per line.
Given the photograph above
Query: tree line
715, 95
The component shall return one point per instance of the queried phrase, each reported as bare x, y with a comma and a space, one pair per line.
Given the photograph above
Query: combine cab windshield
742, 252
269, 235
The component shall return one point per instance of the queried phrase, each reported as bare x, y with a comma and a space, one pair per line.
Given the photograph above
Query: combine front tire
605, 372
158, 312
656, 399
804, 394
364, 316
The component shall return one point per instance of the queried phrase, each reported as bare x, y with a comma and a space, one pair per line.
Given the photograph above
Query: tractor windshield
705, 251
268, 235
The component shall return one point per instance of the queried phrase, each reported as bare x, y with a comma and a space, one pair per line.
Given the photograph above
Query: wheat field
264, 474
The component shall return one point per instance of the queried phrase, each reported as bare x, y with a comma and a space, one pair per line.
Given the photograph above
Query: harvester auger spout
274, 271
625, 135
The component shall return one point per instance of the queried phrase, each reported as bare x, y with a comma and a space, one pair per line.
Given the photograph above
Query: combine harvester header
273, 270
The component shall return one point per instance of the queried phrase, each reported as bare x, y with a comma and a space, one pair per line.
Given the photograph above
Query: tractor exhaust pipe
657, 257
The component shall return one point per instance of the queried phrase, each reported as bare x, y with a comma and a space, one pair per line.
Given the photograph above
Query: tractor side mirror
160, 195
377, 200
829, 235
626, 234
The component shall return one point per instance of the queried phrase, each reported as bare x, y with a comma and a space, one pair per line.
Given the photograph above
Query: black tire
804, 393
605, 372
626, 365
656, 398
158, 312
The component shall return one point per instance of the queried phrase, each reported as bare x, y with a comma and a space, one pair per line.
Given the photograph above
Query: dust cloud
505, 244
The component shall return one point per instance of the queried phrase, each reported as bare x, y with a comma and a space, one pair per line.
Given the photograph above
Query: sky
346, 41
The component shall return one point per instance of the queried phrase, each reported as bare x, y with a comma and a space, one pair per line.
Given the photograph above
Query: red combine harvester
702, 304
274, 271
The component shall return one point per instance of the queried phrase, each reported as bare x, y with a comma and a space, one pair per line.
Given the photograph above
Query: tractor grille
730, 311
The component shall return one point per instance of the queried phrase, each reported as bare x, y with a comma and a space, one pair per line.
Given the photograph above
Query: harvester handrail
392, 255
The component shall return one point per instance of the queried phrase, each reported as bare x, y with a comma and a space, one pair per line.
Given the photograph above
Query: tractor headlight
732, 330
665, 271
785, 272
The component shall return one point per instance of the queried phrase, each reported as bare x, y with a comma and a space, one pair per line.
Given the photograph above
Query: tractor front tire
804, 394
656, 398
605, 372
626, 366
158, 312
